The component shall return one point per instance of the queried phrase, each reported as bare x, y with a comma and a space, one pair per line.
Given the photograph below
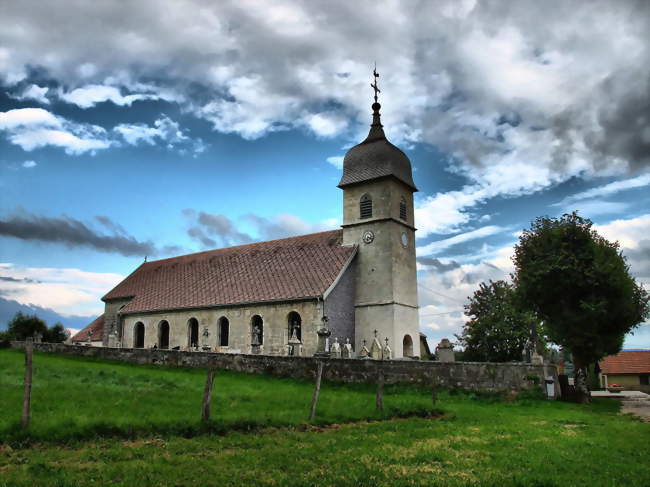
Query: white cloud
326, 124
32, 128
608, 189
90, 95
26, 117
439, 245
36, 138
29, 164
164, 130
519, 105
34, 92
336, 161
633, 235
68, 291
443, 293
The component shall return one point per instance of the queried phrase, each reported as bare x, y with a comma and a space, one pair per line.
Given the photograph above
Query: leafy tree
24, 326
56, 334
579, 284
498, 329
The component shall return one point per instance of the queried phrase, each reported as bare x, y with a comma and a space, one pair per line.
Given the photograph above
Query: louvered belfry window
402, 209
365, 207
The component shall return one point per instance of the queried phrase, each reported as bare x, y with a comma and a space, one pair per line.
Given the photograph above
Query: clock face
405, 239
368, 236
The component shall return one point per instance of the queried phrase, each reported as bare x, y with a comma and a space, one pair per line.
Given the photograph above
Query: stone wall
487, 377
339, 307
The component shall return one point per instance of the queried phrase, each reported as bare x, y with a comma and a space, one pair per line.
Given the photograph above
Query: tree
24, 326
56, 334
579, 284
498, 329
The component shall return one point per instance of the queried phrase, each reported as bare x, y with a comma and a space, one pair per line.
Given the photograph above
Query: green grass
479, 440
75, 398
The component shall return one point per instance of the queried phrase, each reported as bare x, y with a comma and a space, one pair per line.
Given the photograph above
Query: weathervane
374, 85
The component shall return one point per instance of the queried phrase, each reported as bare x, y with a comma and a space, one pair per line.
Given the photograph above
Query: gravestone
375, 350
445, 351
335, 350
322, 349
346, 351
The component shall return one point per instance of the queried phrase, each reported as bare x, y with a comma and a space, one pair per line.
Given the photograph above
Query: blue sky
125, 135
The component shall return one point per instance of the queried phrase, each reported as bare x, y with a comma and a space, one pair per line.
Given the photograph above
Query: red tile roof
285, 269
632, 362
95, 328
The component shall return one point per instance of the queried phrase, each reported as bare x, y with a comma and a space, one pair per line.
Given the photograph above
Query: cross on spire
374, 85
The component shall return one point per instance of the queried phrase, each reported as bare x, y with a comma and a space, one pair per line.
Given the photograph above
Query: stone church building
355, 285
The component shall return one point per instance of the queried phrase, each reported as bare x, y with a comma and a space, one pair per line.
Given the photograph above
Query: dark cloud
74, 233
213, 230
24, 279
437, 264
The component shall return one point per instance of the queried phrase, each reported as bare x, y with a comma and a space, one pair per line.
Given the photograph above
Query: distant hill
9, 307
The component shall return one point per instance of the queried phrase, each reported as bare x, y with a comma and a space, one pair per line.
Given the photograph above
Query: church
353, 288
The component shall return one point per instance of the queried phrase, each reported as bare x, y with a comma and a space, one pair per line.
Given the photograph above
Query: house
630, 369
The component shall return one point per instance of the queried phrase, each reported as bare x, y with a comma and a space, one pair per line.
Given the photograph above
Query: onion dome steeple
376, 157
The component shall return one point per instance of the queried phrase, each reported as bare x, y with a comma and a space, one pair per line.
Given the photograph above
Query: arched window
224, 331
163, 334
295, 325
365, 207
138, 335
402, 209
407, 346
257, 330
193, 333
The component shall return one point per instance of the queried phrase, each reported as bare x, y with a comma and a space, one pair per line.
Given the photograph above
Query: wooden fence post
27, 395
207, 396
314, 399
379, 399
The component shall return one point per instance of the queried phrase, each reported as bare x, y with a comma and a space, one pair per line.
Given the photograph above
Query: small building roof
95, 328
627, 362
278, 270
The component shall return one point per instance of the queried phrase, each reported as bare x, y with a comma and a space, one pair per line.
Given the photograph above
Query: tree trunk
583, 396
207, 396
314, 399
27, 395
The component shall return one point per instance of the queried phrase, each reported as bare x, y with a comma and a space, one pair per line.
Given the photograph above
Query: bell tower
378, 189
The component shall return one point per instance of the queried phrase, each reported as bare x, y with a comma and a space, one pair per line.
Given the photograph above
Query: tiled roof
96, 329
277, 270
631, 362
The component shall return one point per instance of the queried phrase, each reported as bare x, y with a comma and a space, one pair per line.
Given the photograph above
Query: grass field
100, 423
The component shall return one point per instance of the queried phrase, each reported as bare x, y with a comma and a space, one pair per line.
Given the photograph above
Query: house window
224, 331
295, 325
402, 209
644, 379
138, 335
163, 334
193, 333
365, 207
257, 330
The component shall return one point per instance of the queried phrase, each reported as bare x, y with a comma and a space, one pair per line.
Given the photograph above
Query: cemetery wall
476, 376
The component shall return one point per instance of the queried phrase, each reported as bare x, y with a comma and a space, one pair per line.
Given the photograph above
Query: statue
256, 338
